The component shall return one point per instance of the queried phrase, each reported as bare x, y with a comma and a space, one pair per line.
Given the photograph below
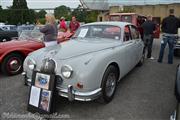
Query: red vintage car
13, 53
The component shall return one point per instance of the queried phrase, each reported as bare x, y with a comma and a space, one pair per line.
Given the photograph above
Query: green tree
91, 16
85, 16
19, 13
1, 13
40, 14
80, 14
62, 11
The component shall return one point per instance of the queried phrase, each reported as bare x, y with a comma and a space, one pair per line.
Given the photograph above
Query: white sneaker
151, 58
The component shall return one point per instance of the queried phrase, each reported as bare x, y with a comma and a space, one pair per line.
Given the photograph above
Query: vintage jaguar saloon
90, 64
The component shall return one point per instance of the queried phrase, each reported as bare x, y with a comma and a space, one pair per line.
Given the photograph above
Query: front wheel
109, 83
12, 64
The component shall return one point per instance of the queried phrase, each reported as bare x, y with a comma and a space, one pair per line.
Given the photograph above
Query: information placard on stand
42, 93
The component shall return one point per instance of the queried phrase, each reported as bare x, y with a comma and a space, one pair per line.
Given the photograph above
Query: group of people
169, 28
73, 26
50, 30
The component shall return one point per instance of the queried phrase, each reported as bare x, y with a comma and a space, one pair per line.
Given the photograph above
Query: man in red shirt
74, 24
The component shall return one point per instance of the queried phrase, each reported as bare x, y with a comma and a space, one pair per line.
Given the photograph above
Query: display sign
41, 95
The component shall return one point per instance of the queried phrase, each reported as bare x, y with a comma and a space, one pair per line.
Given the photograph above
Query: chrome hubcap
14, 65
110, 84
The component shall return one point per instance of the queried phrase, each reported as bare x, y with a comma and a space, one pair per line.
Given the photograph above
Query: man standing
74, 24
169, 28
148, 29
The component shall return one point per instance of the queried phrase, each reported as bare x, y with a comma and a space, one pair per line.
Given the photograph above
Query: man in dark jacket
148, 30
169, 28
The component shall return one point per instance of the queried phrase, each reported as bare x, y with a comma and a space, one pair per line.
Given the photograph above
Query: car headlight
31, 64
66, 71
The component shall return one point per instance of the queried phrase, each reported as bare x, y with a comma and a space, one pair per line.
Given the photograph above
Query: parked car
7, 32
176, 113
92, 62
24, 27
13, 53
135, 19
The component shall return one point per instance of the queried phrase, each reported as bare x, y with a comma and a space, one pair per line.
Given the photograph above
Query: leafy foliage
40, 14
84, 15
19, 13
62, 11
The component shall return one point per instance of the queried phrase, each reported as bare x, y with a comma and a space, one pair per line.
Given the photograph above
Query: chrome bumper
27, 81
177, 46
70, 93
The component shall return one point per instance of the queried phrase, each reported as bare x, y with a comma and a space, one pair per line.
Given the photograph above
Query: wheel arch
115, 64
14, 52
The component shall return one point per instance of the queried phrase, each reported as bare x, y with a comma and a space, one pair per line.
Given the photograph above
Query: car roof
114, 23
123, 14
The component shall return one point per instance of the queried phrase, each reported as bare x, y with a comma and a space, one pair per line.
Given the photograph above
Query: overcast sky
44, 3
75, 3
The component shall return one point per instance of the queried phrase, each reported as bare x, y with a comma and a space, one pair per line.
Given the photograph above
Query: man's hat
62, 18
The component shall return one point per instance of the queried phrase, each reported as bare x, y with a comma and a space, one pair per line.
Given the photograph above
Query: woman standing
50, 30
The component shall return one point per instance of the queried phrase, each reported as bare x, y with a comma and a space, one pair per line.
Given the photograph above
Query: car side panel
24, 50
90, 70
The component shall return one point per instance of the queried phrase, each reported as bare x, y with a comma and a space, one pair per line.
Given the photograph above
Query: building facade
158, 11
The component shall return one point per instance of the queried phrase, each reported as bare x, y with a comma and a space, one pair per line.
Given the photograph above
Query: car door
138, 46
129, 48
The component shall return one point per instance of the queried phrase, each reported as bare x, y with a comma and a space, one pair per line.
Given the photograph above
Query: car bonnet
73, 48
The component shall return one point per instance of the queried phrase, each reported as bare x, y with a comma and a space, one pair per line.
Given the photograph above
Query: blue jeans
170, 40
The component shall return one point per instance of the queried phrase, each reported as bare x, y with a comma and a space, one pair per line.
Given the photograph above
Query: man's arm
163, 25
142, 25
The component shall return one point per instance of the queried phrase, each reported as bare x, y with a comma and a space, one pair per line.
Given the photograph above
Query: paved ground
146, 93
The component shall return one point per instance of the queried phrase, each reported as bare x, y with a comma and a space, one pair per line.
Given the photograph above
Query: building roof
105, 4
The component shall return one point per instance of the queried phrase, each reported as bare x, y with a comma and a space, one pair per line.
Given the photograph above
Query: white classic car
91, 63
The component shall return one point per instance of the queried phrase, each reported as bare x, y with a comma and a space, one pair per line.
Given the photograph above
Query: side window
127, 34
134, 32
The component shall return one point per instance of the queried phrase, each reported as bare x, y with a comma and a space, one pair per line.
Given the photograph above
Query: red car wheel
12, 64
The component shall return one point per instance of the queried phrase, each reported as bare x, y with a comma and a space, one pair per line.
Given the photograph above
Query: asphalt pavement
146, 93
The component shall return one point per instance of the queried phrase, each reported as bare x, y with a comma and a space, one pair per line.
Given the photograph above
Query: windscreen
31, 35
99, 31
